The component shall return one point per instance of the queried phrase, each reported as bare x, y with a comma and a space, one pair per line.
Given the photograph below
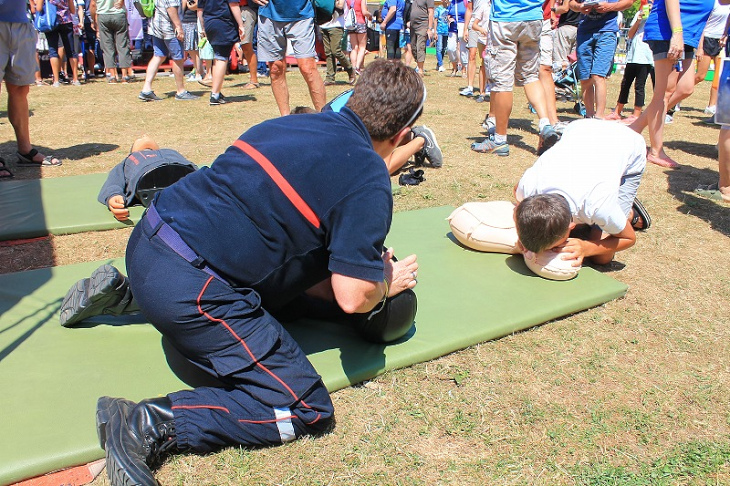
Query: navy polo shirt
258, 234
220, 26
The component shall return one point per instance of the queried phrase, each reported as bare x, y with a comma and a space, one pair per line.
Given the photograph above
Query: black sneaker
186, 95
106, 287
218, 100
431, 149
149, 96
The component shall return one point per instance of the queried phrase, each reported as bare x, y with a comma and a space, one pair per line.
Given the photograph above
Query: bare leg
536, 96
502, 107
151, 72
589, 96
252, 60
599, 82
219, 72
55, 68
277, 71
308, 68
724, 164
179, 73
548, 85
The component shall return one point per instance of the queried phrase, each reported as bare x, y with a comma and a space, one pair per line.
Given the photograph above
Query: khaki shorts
546, 44
418, 44
514, 53
250, 17
17, 53
564, 42
273, 37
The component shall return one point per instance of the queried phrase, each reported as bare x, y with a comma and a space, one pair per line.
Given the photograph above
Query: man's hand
402, 274
119, 4
117, 207
572, 249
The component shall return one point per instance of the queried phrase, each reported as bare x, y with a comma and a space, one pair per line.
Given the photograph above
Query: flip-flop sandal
251, 86
26, 160
4, 171
710, 192
640, 212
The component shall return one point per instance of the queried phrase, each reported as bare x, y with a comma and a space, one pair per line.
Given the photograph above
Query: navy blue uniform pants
272, 393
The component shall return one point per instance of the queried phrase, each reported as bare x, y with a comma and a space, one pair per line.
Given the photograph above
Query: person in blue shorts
211, 288
595, 47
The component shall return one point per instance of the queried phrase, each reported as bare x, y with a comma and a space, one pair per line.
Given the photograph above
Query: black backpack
407, 11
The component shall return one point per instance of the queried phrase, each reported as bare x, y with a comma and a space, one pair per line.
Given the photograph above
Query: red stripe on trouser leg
248, 350
193, 407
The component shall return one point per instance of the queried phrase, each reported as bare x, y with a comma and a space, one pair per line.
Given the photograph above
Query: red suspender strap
279, 180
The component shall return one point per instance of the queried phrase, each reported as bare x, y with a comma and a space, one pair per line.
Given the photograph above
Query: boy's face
555, 246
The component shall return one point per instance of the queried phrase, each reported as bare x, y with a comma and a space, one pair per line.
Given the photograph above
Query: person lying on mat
216, 252
589, 178
145, 171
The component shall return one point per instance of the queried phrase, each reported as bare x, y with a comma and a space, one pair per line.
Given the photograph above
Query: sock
214, 95
492, 121
543, 123
500, 139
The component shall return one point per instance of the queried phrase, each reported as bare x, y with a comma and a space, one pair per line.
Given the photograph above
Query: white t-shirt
715, 26
586, 167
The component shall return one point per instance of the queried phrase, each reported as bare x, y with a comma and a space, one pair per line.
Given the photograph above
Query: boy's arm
577, 249
112, 192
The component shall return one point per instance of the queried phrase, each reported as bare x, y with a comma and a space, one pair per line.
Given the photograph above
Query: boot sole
89, 296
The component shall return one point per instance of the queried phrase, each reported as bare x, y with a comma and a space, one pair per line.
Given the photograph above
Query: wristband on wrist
677, 30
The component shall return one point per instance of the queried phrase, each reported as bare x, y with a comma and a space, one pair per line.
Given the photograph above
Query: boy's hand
572, 249
117, 207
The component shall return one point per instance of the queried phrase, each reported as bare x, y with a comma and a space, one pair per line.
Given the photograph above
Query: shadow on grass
693, 148
682, 184
73, 152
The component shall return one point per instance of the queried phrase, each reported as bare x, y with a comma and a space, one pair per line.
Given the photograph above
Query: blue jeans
595, 54
441, 41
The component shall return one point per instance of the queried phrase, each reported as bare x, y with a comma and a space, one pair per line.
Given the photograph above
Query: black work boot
136, 438
106, 291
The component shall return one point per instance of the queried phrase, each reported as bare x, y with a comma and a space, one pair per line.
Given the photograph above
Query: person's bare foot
662, 160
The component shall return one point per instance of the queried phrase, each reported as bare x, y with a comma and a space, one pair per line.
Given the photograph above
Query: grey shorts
627, 191
17, 53
546, 44
471, 43
564, 40
273, 38
514, 54
191, 36
250, 17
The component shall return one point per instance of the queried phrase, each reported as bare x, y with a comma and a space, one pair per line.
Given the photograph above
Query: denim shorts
595, 54
168, 47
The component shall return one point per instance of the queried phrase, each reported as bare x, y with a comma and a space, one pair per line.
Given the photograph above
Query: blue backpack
46, 19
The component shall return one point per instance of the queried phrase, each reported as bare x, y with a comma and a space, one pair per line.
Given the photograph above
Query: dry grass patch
632, 392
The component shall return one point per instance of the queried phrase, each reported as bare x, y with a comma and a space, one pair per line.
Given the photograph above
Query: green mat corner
52, 376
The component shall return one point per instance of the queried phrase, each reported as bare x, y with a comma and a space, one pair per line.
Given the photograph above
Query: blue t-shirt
13, 11
221, 28
243, 224
457, 10
694, 15
516, 10
395, 23
442, 20
596, 22
287, 10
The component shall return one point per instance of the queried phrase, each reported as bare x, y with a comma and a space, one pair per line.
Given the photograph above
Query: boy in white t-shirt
590, 177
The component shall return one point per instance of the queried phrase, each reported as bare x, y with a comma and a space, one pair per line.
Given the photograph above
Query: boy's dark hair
387, 98
542, 220
299, 110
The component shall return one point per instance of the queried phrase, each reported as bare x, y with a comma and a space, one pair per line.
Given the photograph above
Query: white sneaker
442, 69
468, 91
678, 107
711, 110
668, 119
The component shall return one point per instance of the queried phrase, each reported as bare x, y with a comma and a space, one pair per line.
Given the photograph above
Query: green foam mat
50, 376
58, 206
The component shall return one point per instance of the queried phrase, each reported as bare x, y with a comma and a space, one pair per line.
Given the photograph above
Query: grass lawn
635, 392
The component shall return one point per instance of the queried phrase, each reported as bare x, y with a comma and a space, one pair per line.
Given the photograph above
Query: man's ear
398, 137
571, 226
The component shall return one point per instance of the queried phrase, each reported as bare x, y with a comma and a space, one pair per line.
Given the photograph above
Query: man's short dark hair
386, 98
542, 220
